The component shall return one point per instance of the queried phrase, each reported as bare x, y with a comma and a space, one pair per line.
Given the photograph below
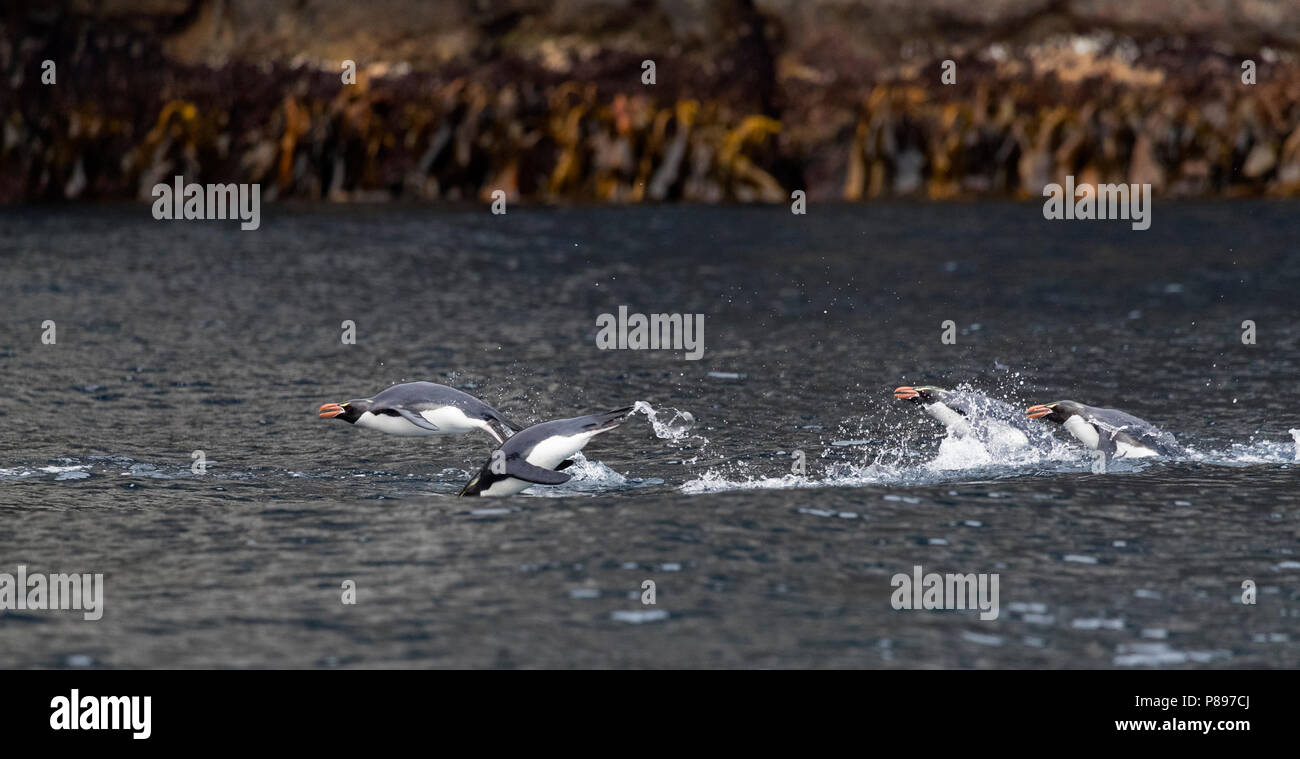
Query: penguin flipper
522, 470
416, 419
1106, 441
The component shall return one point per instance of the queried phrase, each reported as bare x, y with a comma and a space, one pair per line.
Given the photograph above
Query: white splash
675, 427
996, 441
72, 472
589, 478
1246, 454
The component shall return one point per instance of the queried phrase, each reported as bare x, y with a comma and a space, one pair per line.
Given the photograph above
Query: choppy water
175, 337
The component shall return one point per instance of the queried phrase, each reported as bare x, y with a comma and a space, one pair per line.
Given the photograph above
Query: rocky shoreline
754, 105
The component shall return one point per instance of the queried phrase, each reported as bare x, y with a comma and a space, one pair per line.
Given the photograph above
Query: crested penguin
1115, 433
535, 455
931, 400
953, 409
422, 408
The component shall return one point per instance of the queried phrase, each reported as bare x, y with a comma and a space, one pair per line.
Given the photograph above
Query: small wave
1247, 454
61, 473
1161, 654
714, 481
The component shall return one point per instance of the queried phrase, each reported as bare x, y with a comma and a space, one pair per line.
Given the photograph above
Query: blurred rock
752, 98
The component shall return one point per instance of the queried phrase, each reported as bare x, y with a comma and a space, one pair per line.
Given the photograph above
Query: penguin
536, 455
953, 409
422, 408
1115, 433
931, 400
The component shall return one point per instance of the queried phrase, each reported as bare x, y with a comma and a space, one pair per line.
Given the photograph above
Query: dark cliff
546, 100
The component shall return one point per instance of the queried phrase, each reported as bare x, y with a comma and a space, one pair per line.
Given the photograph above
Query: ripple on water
1161, 654
639, 616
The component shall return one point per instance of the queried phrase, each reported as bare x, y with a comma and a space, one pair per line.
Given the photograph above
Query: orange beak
330, 410
1038, 412
906, 392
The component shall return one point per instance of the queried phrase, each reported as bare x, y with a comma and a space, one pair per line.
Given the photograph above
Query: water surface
174, 337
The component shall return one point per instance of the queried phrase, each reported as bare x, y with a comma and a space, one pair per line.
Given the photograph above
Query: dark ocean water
174, 337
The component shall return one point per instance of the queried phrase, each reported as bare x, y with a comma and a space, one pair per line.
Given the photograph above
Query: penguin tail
610, 419
502, 428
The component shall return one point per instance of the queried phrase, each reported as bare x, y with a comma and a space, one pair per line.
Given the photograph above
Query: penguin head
921, 396
348, 411
1055, 412
485, 479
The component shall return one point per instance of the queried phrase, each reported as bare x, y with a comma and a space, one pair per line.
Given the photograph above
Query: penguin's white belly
448, 419
392, 425
956, 423
508, 486
1087, 434
547, 454
1083, 432
1124, 450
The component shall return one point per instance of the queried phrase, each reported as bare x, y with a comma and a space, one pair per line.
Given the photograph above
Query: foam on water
1001, 442
588, 477
1246, 454
1161, 654
69, 472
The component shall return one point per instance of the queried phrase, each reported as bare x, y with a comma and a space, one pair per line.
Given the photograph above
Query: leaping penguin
931, 400
535, 455
952, 409
1115, 433
422, 408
